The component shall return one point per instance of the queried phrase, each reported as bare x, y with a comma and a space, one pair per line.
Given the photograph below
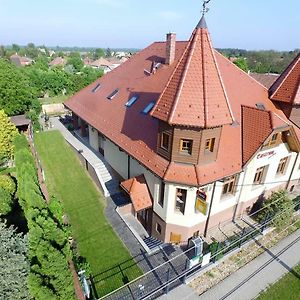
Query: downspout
239, 198
209, 212
128, 166
290, 177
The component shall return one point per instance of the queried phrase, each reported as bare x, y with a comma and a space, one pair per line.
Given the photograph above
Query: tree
242, 64
8, 184
14, 267
108, 52
76, 61
16, 48
5, 202
8, 132
278, 207
99, 52
16, 92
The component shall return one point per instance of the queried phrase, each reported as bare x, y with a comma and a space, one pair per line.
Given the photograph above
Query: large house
196, 139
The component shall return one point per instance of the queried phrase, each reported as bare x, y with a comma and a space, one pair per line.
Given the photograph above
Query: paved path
256, 276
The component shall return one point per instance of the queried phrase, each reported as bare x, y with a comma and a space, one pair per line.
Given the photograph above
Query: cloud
169, 15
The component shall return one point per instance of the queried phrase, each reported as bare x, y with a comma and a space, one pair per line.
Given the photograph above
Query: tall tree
14, 267
16, 92
8, 131
76, 61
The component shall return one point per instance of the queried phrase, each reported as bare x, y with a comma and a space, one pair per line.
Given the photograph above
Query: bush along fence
175, 271
49, 249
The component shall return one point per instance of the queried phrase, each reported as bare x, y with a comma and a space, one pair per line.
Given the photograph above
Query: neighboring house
266, 79
102, 64
196, 139
21, 122
58, 61
87, 61
21, 61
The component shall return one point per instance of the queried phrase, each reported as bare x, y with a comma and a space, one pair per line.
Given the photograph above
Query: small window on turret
210, 145
165, 141
186, 146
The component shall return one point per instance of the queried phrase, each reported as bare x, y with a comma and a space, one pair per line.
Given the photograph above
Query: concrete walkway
253, 278
105, 174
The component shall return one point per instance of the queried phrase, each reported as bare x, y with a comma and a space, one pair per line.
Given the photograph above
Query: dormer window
273, 139
165, 141
186, 146
210, 145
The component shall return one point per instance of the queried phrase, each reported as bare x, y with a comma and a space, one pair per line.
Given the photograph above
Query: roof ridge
170, 78
186, 67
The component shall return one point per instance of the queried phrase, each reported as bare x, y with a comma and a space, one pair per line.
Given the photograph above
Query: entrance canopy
138, 191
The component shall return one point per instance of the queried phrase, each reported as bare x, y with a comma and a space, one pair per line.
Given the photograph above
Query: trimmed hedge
49, 250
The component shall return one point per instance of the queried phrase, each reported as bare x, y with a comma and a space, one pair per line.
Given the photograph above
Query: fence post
168, 279
241, 237
186, 268
215, 254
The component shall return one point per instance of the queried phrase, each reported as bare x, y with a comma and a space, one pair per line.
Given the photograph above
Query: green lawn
55, 99
286, 288
111, 262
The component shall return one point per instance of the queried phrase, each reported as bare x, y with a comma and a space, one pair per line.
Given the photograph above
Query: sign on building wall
201, 204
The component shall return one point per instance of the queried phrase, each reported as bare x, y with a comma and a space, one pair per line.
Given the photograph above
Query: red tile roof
265, 79
138, 191
136, 133
252, 120
287, 87
195, 95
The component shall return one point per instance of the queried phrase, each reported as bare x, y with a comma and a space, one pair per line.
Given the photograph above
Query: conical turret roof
195, 94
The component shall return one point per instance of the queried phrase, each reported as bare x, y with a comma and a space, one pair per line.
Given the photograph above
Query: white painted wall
272, 180
152, 180
93, 138
116, 158
245, 190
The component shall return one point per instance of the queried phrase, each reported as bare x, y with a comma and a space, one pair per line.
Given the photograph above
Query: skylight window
260, 106
113, 94
148, 108
96, 88
131, 101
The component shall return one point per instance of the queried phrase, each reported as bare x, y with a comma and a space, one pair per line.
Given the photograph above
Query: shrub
8, 184
5, 202
278, 207
49, 250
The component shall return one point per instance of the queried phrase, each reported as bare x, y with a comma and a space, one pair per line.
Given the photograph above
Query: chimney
170, 49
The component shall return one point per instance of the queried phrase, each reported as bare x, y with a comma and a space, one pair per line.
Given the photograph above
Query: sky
245, 24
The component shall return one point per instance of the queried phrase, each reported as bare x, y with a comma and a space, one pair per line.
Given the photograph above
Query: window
113, 94
209, 145
258, 178
229, 185
162, 195
282, 166
165, 141
186, 146
96, 88
180, 200
148, 108
131, 101
273, 139
158, 228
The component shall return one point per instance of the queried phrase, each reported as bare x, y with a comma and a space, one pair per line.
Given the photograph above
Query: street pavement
253, 278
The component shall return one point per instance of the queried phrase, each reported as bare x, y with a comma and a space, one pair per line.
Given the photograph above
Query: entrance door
144, 217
